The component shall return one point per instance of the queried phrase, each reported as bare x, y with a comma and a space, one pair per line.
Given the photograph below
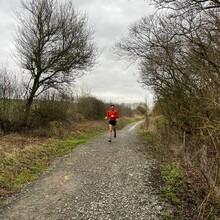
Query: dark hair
112, 105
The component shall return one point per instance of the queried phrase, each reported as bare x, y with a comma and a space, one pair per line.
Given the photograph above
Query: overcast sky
112, 80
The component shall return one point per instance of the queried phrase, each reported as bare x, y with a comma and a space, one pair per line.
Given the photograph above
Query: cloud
7, 27
111, 79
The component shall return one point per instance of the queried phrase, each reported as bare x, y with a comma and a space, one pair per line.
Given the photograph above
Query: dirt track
97, 181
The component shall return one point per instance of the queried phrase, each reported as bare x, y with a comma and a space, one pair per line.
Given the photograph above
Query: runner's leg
110, 132
114, 128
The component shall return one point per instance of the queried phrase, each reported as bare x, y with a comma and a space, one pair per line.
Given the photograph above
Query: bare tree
9, 94
54, 45
187, 4
178, 55
7, 91
7, 84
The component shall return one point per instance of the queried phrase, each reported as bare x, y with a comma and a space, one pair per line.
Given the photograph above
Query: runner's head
112, 107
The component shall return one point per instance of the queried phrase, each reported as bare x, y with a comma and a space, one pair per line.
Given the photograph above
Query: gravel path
97, 181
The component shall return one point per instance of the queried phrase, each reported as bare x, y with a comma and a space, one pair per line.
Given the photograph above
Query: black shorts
112, 122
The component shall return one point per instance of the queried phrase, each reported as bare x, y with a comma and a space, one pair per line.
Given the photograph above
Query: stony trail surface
97, 181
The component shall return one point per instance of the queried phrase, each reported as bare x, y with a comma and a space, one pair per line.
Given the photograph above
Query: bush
91, 108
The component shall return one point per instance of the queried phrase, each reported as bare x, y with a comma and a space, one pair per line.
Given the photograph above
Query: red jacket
112, 114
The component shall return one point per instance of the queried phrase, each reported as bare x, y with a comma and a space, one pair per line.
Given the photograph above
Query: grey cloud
111, 79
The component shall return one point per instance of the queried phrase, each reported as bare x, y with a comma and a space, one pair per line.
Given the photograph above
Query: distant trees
9, 91
91, 107
54, 46
142, 108
178, 51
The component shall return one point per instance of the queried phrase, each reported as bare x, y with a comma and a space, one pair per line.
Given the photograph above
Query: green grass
171, 175
66, 145
154, 146
25, 165
150, 137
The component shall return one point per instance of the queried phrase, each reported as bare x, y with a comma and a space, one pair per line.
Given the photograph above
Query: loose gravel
97, 181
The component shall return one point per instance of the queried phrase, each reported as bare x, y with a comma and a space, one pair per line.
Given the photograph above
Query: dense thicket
178, 51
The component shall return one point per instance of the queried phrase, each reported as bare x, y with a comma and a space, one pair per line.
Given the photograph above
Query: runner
112, 114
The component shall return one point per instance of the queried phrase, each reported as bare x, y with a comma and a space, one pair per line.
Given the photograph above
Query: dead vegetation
189, 193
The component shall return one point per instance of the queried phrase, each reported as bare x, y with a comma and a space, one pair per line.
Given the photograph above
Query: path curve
97, 181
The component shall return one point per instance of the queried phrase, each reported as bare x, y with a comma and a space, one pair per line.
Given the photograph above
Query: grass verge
24, 158
24, 165
169, 174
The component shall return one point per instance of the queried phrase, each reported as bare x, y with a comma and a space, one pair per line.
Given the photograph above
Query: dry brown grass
11, 141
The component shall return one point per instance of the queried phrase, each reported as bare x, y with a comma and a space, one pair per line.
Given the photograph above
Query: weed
149, 136
168, 216
171, 175
154, 146
23, 178
161, 122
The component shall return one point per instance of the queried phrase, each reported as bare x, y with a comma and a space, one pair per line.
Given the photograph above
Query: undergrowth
180, 184
170, 171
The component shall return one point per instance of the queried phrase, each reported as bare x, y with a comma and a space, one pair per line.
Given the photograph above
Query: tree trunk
30, 101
